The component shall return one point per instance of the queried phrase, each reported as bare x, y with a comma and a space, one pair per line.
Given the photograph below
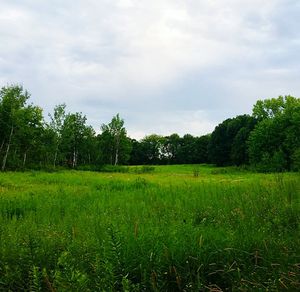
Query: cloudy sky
165, 65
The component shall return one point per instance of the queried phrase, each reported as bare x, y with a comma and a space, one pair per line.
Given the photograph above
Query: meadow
162, 228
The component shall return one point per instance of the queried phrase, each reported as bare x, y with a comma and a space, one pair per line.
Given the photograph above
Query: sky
166, 66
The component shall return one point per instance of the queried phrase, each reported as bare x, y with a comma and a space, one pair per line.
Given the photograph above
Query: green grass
162, 230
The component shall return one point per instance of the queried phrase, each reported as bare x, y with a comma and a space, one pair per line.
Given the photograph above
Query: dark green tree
186, 151
28, 134
138, 153
171, 148
275, 141
220, 144
12, 102
228, 144
73, 132
153, 148
201, 151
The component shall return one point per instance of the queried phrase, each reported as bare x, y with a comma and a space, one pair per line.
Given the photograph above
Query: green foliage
74, 133
115, 145
156, 149
268, 140
13, 117
274, 142
228, 141
296, 160
153, 148
54, 132
268, 108
67, 276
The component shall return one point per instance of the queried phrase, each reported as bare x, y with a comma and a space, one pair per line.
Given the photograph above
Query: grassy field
189, 228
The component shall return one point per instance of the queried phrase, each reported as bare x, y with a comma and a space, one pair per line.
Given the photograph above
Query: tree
201, 145
275, 140
268, 108
156, 149
73, 132
152, 146
138, 154
12, 101
239, 149
116, 146
29, 131
56, 125
171, 148
228, 144
187, 149
73, 142
89, 146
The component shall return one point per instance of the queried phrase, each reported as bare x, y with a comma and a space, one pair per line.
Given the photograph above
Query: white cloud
128, 55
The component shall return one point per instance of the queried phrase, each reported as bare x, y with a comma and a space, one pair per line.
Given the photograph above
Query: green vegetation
168, 228
268, 141
136, 228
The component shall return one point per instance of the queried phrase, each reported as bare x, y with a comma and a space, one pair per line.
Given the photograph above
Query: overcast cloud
165, 65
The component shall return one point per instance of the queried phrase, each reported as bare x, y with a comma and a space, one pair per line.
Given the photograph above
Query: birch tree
114, 141
12, 101
56, 125
73, 133
29, 131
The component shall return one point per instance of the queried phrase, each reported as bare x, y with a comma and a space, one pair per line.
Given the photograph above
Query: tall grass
166, 230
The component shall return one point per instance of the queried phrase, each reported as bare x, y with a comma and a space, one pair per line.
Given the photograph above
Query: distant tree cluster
274, 144
268, 140
28, 141
155, 149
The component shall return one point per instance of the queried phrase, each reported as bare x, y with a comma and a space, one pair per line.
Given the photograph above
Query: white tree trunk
55, 156
1, 146
24, 158
74, 158
7, 149
117, 150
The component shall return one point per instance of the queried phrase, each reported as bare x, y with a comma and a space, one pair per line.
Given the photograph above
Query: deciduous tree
116, 146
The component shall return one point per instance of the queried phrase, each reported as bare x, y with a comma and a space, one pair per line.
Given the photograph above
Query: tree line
268, 140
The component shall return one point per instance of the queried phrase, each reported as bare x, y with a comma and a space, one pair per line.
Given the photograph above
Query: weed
136, 229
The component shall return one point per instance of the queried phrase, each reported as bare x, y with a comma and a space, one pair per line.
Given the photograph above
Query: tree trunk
117, 156
24, 158
2, 146
55, 157
56, 153
74, 158
7, 149
117, 150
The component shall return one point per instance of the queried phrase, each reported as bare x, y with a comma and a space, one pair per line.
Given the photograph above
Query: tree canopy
115, 144
268, 140
275, 142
